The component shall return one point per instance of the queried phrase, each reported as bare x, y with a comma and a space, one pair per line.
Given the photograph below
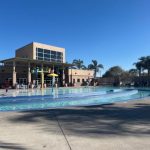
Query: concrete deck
120, 126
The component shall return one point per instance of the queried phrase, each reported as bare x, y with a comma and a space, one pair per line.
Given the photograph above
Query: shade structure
52, 75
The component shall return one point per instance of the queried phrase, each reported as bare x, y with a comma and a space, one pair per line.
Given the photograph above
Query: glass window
53, 56
40, 50
53, 60
59, 54
47, 59
53, 52
59, 57
47, 51
46, 56
59, 60
40, 58
40, 54
49, 55
78, 80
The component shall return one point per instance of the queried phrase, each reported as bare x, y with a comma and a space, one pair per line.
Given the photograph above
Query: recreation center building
33, 62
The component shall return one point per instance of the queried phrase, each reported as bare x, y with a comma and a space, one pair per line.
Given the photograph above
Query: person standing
6, 86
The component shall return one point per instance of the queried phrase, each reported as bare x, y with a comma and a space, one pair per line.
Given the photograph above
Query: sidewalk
122, 126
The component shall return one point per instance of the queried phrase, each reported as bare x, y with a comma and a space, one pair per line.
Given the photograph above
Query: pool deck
119, 126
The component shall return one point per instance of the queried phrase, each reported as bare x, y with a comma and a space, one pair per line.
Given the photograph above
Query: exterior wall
77, 74
5, 73
25, 52
49, 47
20, 71
29, 51
21, 67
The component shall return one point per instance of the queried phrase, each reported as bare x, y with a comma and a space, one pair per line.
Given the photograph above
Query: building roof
38, 43
19, 59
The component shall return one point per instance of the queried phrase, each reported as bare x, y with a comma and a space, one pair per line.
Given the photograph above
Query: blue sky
114, 32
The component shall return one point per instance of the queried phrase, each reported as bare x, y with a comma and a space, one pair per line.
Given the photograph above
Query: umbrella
52, 75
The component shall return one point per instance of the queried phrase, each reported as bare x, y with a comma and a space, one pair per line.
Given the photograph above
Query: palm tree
139, 66
147, 64
79, 64
143, 64
95, 66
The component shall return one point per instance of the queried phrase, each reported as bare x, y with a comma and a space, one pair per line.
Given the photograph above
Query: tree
139, 66
133, 72
79, 64
115, 71
95, 66
143, 64
125, 77
146, 62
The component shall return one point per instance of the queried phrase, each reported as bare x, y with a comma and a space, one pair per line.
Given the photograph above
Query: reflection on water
61, 91
48, 91
61, 97
55, 93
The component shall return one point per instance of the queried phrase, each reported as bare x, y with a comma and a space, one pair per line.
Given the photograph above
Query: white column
14, 74
42, 76
29, 73
63, 77
70, 76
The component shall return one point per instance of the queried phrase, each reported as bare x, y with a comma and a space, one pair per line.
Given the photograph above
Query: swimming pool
19, 100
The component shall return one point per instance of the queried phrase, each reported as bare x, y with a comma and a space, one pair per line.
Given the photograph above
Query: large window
49, 55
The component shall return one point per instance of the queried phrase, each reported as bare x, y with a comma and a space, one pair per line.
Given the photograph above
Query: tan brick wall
25, 52
29, 51
80, 74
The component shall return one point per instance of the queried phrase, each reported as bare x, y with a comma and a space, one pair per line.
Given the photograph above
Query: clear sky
114, 32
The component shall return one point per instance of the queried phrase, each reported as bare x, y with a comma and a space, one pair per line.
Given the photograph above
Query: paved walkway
121, 126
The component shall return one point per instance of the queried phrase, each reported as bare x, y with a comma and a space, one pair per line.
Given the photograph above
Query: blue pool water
17, 100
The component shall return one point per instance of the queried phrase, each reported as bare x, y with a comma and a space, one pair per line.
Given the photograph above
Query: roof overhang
27, 60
